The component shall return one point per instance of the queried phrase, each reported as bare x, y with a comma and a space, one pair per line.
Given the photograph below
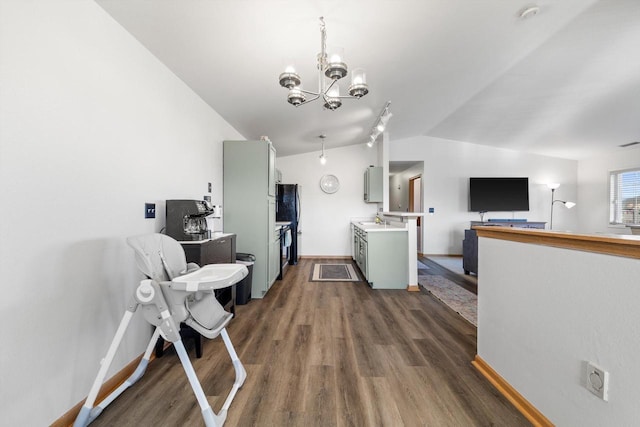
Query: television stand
470, 242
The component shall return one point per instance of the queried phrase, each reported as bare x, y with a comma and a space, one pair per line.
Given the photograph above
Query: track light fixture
380, 124
330, 70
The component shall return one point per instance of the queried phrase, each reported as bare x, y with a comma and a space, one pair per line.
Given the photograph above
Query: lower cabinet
382, 257
215, 251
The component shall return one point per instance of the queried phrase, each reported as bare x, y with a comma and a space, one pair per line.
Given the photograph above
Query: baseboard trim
413, 288
324, 257
110, 385
517, 400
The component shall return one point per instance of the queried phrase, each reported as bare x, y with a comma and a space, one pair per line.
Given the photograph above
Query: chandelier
333, 69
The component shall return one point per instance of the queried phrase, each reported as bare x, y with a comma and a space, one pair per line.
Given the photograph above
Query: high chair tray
209, 277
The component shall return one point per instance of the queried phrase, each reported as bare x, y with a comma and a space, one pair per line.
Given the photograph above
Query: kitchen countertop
214, 236
372, 226
403, 214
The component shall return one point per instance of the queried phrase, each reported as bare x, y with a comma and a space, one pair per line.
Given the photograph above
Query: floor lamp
553, 186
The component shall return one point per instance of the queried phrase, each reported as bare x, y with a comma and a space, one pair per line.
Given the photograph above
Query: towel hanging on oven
287, 238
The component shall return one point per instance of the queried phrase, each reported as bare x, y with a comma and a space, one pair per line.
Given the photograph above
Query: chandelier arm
326, 90
308, 92
306, 101
312, 99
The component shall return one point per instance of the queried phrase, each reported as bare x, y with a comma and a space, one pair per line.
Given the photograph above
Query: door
415, 204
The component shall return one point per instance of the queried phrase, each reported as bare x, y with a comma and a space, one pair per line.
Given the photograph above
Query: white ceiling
565, 82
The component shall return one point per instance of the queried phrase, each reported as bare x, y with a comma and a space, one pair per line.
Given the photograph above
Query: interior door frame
413, 208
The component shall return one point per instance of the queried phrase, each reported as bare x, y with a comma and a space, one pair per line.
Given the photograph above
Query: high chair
173, 292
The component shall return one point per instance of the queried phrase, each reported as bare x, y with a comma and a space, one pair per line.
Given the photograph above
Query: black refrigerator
288, 209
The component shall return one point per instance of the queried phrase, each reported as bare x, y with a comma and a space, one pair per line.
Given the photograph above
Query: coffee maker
187, 219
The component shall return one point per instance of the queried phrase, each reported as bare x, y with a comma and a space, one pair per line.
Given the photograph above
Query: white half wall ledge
548, 302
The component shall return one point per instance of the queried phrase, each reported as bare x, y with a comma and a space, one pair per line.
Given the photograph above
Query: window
624, 197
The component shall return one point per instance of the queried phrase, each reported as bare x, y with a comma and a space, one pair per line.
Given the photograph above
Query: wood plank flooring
328, 354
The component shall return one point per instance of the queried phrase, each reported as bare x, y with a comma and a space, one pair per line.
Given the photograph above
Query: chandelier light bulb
323, 159
296, 96
380, 127
332, 99
358, 87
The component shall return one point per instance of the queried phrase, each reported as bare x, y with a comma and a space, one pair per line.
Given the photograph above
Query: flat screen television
498, 194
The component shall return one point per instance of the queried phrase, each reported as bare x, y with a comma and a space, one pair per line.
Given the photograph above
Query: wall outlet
209, 187
597, 381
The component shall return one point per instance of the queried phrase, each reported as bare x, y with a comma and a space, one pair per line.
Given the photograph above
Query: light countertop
372, 226
214, 236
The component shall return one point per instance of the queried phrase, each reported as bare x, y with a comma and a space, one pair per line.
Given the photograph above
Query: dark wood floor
439, 270
329, 354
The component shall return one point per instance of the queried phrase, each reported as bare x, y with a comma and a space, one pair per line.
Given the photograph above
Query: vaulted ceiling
562, 82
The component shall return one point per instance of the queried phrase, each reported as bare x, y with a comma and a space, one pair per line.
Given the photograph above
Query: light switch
149, 210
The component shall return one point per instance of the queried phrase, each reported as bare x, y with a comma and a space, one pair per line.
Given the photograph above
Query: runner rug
334, 273
460, 300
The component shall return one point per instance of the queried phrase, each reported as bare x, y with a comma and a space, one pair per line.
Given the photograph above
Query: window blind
624, 197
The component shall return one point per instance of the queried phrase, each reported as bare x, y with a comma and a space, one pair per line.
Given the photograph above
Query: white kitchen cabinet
373, 184
249, 205
381, 255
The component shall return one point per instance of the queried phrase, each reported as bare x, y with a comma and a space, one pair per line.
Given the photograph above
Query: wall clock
329, 184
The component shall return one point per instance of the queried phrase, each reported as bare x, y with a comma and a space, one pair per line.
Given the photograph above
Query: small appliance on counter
187, 219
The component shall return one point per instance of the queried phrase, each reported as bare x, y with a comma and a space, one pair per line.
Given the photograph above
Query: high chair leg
211, 419
241, 374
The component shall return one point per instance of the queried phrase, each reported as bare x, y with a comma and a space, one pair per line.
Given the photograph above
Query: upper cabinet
373, 184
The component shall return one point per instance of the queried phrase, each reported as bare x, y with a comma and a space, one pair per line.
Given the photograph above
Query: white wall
593, 188
447, 168
543, 312
325, 217
92, 127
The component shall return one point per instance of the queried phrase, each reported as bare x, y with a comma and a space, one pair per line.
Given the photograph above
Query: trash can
243, 287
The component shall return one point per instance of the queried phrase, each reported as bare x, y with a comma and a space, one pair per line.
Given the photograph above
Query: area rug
334, 273
455, 297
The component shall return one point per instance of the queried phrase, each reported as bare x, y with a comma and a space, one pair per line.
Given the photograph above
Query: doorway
405, 191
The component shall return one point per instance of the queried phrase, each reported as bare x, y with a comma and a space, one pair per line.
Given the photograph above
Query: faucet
381, 221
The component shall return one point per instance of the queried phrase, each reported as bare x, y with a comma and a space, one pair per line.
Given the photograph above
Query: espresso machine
187, 219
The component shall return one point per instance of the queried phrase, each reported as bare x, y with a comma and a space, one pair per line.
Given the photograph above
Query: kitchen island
379, 251
410, 221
